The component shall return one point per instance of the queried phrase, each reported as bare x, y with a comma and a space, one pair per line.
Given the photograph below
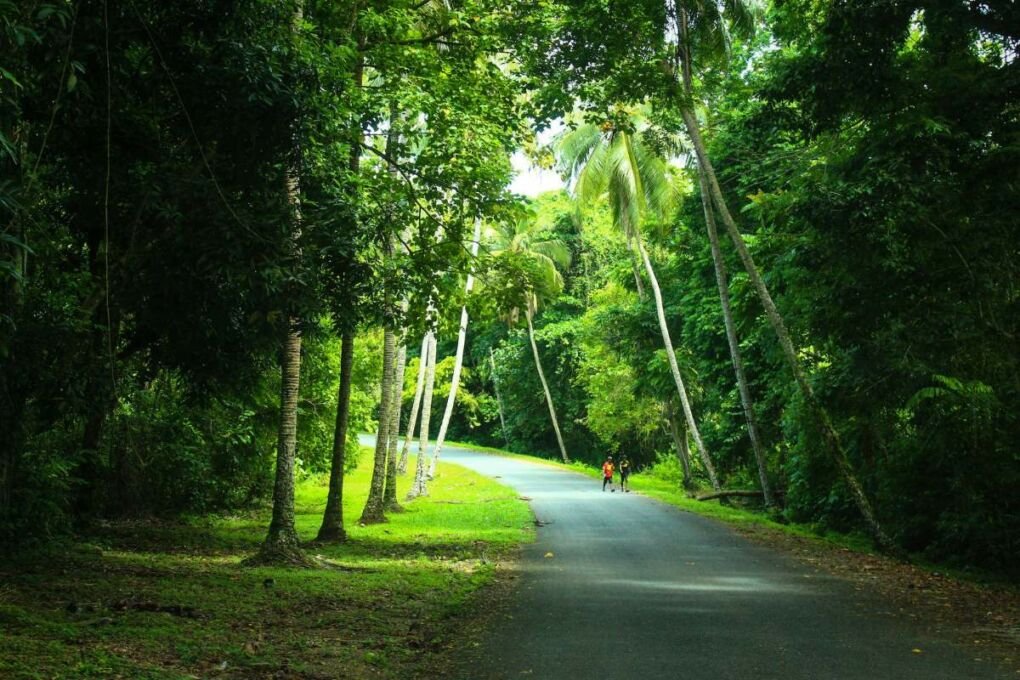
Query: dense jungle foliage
189, 189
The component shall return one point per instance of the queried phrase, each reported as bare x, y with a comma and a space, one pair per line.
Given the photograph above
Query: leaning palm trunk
499, 399
332, 528
683, 452
419, 486
413, 418
390, 503
545, 386
674, 367
832, 440
731, 337
373, 512
458, 361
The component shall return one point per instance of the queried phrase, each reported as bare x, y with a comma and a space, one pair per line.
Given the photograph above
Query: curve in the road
638, 589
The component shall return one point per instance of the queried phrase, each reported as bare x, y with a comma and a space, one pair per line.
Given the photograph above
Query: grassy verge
669, 491
169, 600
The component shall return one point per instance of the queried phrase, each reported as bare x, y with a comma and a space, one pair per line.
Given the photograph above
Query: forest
783, 258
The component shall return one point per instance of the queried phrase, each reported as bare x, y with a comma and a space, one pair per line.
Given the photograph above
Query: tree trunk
413, 419
828, 431
499, 399
545, 386
671, 354
680, 440
419, 487
458, 361
390, 503
722, 280
282, 545
373, 512
332, 528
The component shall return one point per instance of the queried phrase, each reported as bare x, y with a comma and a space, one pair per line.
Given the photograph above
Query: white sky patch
530, 180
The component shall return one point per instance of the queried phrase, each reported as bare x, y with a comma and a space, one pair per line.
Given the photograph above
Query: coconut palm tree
419, 485
702, 29
543, 258
615, 160
412, 420
458, 361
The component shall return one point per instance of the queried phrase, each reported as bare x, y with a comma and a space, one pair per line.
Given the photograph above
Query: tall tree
419, 487
282, 543
458, 360
542, 257
412, 419
373, 512
612, 160
332, 528
746, 402
390, 491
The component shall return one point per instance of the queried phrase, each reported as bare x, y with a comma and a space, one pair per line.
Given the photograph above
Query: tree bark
282, 545
828, 431
722, 280
458, 361
332, 528
499, 399
419, 487
674, 367
680, 441
373, 512
412, 420
545, 386
390, 503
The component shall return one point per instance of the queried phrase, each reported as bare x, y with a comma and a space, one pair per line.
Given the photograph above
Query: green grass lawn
170, 599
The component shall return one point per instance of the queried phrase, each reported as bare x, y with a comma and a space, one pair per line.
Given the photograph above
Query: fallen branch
738, 493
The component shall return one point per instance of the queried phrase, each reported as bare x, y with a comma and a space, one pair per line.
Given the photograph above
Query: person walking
624, 473
607, 474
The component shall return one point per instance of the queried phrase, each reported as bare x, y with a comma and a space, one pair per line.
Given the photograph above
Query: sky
531, 180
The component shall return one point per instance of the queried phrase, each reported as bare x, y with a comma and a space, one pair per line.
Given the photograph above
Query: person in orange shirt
607, 474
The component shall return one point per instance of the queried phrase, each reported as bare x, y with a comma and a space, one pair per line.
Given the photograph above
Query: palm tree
390, 503
419, 486
332, 528
373, 511
412, 420
458, 361
731, 338
282, 544
703, 29
544, 257
615, 160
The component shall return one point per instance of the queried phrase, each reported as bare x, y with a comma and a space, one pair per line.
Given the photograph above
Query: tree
612, 159
332, 528
419, 487
412, 419
458, 356
746, 402
540, 258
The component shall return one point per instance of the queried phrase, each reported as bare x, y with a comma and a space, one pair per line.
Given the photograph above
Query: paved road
636, 589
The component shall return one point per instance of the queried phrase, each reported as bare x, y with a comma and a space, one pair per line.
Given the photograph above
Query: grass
170, 600
669, 491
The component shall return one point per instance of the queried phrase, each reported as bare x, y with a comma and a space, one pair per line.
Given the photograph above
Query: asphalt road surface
637, 589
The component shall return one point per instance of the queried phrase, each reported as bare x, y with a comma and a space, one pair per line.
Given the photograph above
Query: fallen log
734, 493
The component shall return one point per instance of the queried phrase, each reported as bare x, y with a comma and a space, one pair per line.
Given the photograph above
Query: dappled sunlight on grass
170, 599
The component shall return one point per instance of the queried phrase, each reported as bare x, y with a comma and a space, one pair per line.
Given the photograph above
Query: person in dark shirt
624, 473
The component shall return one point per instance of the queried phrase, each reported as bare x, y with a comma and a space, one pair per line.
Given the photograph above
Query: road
636, 589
